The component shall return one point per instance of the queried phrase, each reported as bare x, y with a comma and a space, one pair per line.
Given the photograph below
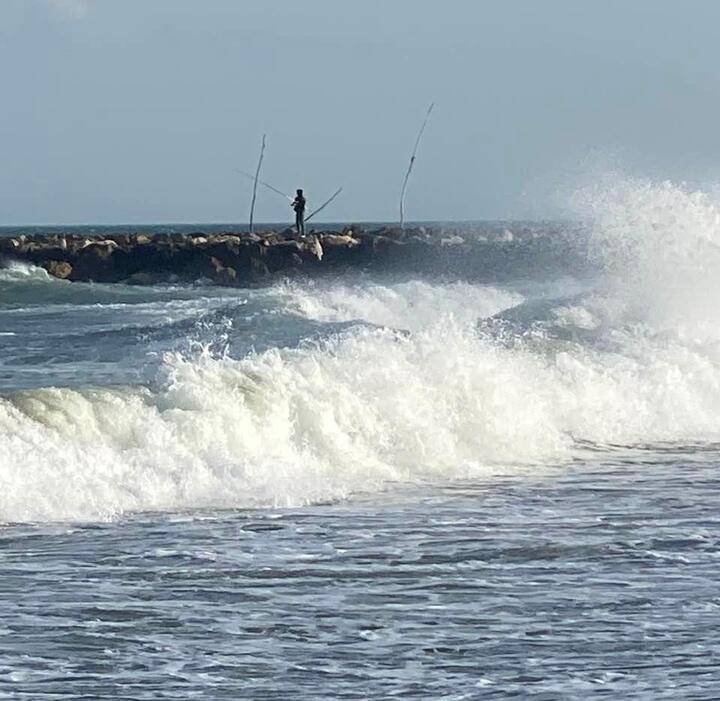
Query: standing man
299, 206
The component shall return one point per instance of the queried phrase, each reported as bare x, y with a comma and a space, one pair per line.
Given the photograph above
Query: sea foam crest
660, 246
316, 423
372, 406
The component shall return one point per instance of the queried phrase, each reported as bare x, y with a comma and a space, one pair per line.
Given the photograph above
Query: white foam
374, 405
15, 271
411, 305
660, 245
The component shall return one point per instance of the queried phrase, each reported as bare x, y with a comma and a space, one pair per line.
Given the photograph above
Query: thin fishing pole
324, 204
410, 165
255, 184
262, 182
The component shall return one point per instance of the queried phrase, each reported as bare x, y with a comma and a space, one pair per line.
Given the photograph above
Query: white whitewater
429, 394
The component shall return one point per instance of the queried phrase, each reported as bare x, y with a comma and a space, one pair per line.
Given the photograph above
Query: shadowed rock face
249, 259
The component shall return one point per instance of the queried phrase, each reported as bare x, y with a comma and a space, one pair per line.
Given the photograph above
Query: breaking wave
410, 304
443, 381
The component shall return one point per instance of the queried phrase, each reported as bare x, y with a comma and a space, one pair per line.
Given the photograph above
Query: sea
372, 485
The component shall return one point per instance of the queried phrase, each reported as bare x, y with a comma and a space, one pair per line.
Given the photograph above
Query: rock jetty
244, 259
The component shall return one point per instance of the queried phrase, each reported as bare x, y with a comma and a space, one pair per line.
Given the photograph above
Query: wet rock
258, 269
284, 256
94, 262
314, 247
340, 249
38, 254
222, 274
240, 258
12, 244
58, 268
145, 279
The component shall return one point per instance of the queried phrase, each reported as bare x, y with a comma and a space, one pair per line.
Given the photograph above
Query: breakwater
245, 259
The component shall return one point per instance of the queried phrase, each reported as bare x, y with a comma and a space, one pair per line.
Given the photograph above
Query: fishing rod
411, 164
255, 184
262, 182
287, 197
324, 204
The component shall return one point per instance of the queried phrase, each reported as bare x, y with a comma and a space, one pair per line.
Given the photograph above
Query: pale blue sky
139, 110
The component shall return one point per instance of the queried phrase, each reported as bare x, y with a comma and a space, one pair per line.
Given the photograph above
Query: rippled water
588, 580
370, 486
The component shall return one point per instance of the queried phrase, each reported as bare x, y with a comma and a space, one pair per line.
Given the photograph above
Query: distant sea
217, 228
119, 229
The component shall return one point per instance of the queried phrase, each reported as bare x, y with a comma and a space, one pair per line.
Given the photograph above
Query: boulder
58, 268
258, 268
338, 241
222, 274
95, 262
38, 254
226, 249
352, 230
232, 258
314, 247
227, 239
284, 256
103, 246
10, 244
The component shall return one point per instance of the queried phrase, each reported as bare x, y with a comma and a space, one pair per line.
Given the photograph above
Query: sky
141, 111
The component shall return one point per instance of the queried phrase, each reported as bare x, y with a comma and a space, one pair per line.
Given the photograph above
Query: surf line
276, 190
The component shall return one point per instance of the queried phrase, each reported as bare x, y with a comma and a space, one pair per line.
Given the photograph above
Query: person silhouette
299, 206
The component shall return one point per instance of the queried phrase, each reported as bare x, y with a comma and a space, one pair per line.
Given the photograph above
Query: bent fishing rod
288, 197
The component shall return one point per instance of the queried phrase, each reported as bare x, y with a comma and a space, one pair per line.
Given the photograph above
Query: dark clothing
299, 206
